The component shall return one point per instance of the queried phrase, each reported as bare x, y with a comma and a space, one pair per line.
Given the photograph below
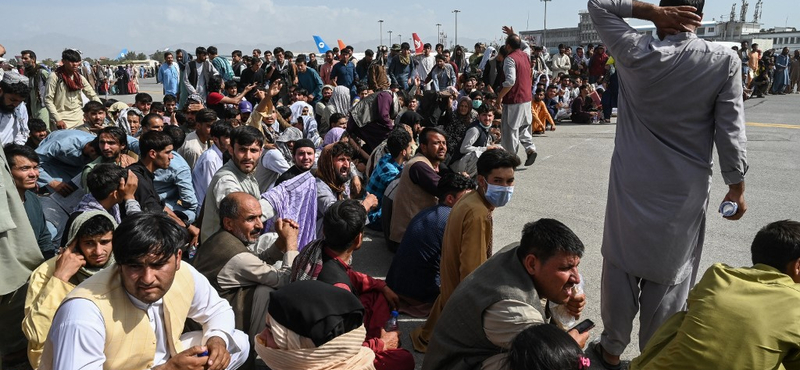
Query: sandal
597, 350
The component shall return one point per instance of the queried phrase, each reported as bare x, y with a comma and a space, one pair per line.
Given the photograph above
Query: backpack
366, 110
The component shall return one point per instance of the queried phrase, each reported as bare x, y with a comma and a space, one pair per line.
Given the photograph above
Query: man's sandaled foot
598, 351
531, 157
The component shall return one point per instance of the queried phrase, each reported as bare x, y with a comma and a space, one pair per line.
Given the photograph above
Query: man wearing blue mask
467, 241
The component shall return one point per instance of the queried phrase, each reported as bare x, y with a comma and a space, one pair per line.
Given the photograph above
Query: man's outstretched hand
508, 30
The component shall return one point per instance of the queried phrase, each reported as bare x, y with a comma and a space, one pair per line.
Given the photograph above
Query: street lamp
380, 21
544, 34
438, 33
456, 11
400, 37
390, 38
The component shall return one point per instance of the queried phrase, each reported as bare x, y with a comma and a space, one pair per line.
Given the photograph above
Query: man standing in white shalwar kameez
662, 164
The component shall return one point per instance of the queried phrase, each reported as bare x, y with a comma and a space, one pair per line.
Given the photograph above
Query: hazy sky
147, 25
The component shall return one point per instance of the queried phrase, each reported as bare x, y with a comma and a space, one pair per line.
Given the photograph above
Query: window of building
701, 31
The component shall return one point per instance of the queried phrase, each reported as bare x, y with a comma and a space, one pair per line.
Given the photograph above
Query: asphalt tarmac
569, 182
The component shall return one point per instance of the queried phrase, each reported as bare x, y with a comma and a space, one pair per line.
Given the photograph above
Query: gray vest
459, 341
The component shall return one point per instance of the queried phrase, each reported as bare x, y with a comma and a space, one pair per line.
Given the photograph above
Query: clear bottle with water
559, 312
391, 324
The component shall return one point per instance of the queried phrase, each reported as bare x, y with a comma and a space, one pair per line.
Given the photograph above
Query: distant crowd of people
217, 228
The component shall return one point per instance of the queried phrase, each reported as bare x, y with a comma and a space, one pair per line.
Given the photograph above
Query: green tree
50, 63
158, 55
141, 56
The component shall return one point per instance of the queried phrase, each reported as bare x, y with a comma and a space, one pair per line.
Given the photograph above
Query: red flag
417, 44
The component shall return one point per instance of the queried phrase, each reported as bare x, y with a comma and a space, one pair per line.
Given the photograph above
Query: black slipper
597, 350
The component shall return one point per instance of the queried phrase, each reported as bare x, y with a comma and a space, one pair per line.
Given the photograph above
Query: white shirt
78, 330
14, 126
192, 148
204, 169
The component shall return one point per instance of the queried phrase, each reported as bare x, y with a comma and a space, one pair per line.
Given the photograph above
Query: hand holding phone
584, 326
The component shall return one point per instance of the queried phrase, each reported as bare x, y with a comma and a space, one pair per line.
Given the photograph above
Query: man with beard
321, 110
156, 153
24, 164
418, 180
303, 155
37, 81
327, 67
88, 251
278, 160
168, 74
401, 68
238, 175
111, 144
333, 180
240, 276
212, 159
13, 114
94, 117
64, 88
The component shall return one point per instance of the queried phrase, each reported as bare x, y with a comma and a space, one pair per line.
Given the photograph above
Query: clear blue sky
153, 24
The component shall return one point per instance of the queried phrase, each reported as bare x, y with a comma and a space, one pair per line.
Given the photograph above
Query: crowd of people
217, 228
769, 72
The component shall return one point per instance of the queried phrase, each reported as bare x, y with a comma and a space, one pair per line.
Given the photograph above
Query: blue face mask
497, 195
477, 104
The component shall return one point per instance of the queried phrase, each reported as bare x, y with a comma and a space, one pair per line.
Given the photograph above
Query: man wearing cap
304, 157
276, 161
13, 114
64, 88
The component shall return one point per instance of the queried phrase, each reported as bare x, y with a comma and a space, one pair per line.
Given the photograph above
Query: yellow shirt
45, 294
65, 105
737, 318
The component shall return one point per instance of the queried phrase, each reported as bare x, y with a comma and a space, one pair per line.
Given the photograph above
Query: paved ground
569, 182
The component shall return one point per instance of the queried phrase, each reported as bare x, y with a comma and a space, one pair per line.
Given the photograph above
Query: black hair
423, 136
200, 51
180, 116
143, 98
212, 50
95, 226
13, 150
205, 115
342, 223
475, 94
258, 51
340, 148
30, 54
440, 57
369, 53
483, 109
104, 179
236, 53
405, 46
153, 140
278, 50
167, 53
538, 90
150, 116
514, 42
301, 91
170, 99
214, 84
36, 125
335, 118
698, 4
397, 141
93, 106
221, 128
284, 111
546, 237
118, 133
157, 107
230, 84
146, 233
177, 134
453, 183
18, 88
544, 347
71, 55
228, 208
777, 244
301, 58
246, 135
427, 45
496, 158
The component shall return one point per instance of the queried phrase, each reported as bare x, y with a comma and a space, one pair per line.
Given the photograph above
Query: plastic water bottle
391, 324
728, 208
560, 314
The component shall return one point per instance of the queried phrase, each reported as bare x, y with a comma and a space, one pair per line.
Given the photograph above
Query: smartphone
584, 326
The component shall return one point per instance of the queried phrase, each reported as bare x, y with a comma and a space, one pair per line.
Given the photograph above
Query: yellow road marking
778, 125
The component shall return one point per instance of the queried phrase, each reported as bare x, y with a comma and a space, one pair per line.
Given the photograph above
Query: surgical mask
476, 104
497, 195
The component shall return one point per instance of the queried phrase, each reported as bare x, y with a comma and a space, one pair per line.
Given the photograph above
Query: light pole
438, 33
544, 34
400, 37
390, 38
456, 11
380, 21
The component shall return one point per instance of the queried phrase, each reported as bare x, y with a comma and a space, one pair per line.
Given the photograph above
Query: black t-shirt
146, 193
